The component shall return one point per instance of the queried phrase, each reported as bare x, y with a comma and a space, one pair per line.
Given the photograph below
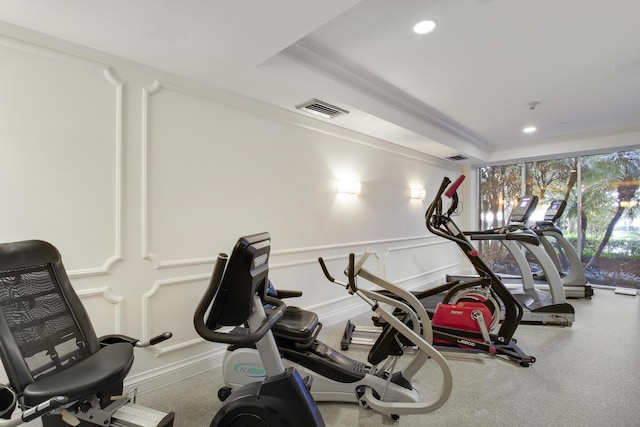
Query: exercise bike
333, 376
274, 395
58, 369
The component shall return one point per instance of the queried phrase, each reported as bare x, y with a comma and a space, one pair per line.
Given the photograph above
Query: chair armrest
116, 338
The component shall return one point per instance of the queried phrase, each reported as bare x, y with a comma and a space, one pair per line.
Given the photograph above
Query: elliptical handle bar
443, 186
436, 203
454, 187
326, 271
350, 272
452, 193
433, 225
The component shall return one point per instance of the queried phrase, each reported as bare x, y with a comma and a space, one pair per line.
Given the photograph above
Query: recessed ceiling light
424, 27
529, 129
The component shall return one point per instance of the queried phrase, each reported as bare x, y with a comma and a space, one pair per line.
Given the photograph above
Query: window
500, 187
600, 220
610, 231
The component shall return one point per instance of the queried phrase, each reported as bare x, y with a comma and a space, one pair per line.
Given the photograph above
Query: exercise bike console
235, 297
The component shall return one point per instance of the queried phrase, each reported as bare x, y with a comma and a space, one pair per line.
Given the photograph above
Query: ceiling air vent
457, 157
321, 108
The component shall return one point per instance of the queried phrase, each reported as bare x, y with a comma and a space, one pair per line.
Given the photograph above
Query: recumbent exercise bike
58, 369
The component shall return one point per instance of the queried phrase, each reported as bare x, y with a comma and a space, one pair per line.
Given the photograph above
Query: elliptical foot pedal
347, 335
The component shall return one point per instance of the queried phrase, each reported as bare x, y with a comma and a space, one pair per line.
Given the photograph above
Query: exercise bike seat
297, 325
107, 366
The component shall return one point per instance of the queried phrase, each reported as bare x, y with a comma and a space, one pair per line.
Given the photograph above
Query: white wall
140, 178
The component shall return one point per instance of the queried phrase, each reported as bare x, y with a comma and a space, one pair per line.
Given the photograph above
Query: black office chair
57, 367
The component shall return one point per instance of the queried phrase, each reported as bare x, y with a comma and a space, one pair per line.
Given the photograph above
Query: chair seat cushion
105, 367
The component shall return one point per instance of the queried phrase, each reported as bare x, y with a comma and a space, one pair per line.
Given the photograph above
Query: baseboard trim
175, 372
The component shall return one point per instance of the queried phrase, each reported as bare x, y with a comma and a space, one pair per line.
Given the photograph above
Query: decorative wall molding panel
174, 372
140, 178
62, 129
177, 297
104, 308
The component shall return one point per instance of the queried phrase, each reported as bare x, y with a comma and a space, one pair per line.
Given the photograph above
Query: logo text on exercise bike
466, 342
250, 370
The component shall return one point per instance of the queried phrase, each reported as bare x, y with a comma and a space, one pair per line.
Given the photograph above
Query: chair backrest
43, 324
246, 275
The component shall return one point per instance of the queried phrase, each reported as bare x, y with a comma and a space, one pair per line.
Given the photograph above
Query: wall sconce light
349, 187
417, 193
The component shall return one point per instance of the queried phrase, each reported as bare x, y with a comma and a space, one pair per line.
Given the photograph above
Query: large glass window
551, 180
610, 231
601, 219
500, 188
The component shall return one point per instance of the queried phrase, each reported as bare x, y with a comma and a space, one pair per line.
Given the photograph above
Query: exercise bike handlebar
242, 339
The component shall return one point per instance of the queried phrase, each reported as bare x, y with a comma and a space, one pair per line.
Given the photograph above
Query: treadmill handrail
522, 236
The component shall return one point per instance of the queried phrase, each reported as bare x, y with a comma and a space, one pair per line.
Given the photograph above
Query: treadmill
574, 280
540, 306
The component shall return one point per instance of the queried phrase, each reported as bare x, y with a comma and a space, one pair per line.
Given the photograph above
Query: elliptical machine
465, 315
335, 377
487, 290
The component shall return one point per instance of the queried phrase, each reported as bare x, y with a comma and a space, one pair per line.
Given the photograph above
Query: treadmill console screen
524, 209
555, 210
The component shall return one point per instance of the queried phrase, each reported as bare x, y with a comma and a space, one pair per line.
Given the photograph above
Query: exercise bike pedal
308, 382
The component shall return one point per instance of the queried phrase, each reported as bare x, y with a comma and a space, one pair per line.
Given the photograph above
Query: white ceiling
463, 89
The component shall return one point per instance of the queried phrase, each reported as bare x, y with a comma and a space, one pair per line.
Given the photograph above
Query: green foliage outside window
601, 219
